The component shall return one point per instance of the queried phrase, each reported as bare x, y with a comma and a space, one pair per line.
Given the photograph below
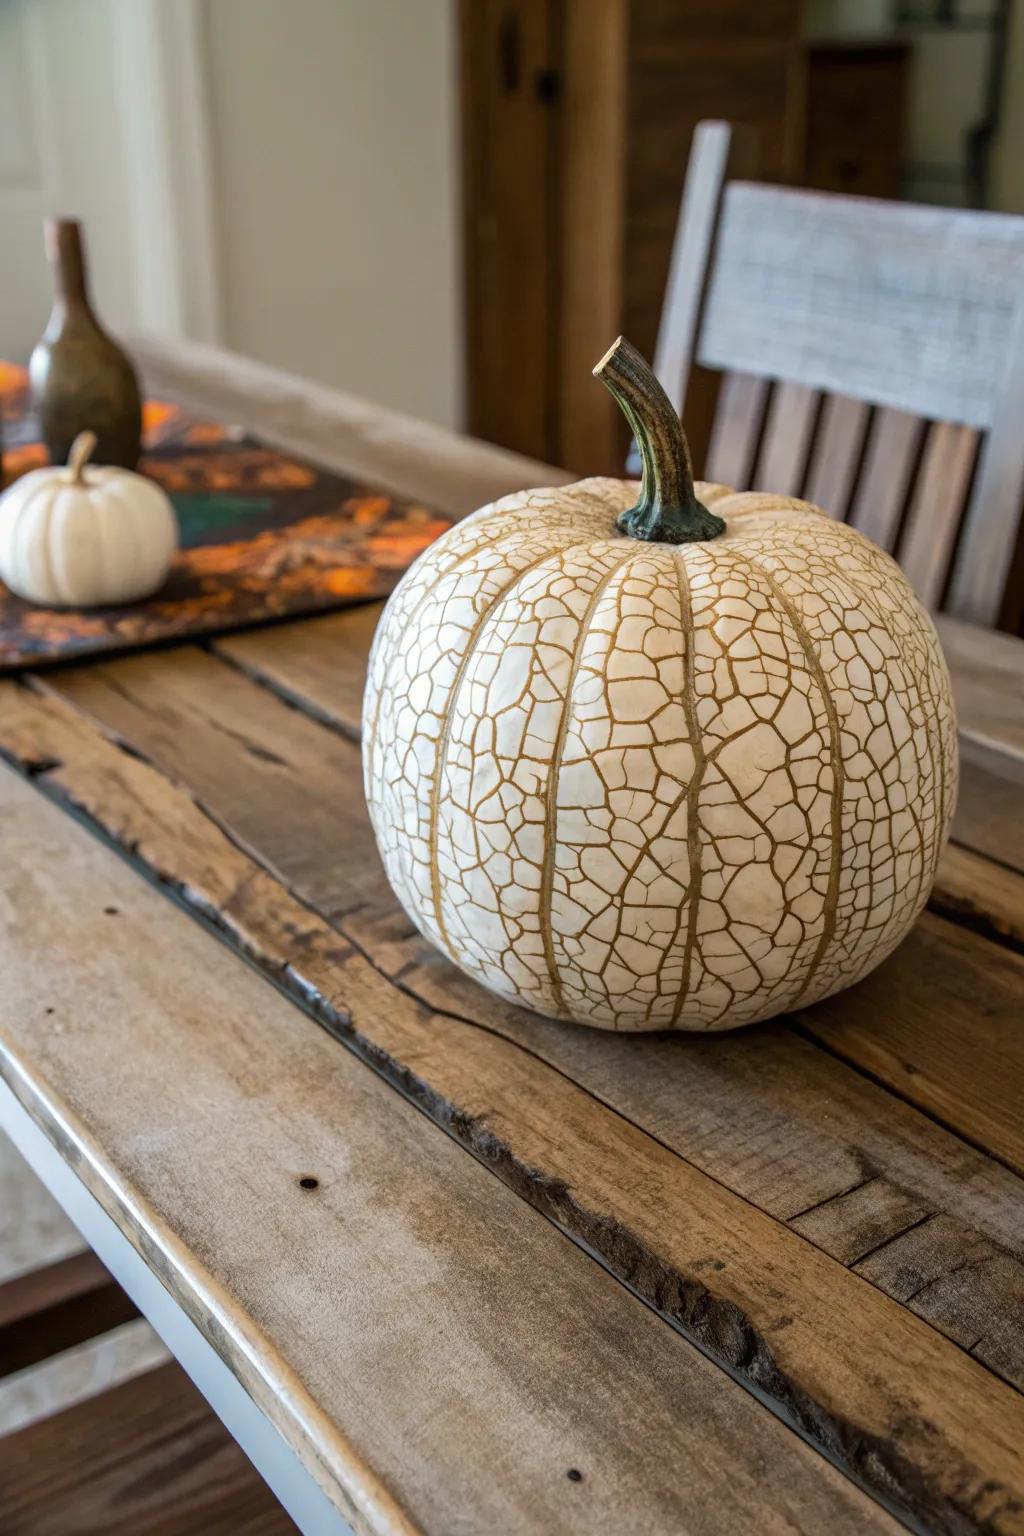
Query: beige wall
277, 175
335, 176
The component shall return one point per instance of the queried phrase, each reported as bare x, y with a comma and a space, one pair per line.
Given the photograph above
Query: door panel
509, 89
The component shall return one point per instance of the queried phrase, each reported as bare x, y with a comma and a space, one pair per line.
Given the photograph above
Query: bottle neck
66, 256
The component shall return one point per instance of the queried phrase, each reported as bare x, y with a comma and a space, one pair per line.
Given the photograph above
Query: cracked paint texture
645, 786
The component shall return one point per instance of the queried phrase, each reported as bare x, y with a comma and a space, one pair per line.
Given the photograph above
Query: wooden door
510, 79
577, 117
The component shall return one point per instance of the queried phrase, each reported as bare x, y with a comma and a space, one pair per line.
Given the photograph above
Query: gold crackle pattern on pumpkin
646, 786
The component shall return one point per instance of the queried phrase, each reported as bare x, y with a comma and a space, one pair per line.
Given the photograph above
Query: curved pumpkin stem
81, 452
668, 511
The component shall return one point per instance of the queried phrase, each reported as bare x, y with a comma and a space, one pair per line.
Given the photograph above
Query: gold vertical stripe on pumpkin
693, 785
397, 639
444, 739
835, 762
551, 788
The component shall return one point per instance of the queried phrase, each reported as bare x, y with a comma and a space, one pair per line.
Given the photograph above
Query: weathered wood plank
981, 894
719, 152
991, 529
903, 305
319, 664
988, 813
693, 1248
193, 715
127, 712
933, 518
973, 1300
180, 712
454, 473
146, 1458
856, 1223
737, 430
944, 1030
407, 1295
835, 458
782, 461
987, 669
889, 463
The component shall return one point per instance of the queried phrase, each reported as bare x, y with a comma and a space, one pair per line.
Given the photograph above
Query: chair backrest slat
872, 360
788, 432
890, 462
736, 434
933, 518
993, 521
718, 152
836, 456
896, 303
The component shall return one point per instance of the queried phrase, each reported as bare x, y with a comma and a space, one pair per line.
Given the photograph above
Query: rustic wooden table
444, 1266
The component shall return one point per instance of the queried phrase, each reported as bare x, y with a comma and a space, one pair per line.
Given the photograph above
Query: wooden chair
146, 1456
61, 1304
868, 356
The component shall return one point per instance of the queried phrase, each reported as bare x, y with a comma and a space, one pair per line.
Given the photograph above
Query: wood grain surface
936, 507
987, 669
891, 459
146, 1458
421, 1336
836, 456
636, 1155
992, 529
831, 1206
988, 813
443, 469
788, 434
981, 894
737, 430
841, 294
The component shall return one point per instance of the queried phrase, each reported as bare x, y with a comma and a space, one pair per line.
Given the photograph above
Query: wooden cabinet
577, 117
856, 111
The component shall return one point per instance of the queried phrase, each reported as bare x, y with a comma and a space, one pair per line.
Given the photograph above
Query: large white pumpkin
686, 775
81, 538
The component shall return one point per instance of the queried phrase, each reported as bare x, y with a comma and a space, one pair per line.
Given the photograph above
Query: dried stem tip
668, 511
81, 451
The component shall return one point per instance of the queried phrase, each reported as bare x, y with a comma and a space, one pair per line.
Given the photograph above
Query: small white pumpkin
72, 537
649, 765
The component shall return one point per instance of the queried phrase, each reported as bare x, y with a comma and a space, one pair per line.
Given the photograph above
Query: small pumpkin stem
81, 451
668, 511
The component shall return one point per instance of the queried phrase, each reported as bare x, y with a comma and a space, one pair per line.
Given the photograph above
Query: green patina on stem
668, 511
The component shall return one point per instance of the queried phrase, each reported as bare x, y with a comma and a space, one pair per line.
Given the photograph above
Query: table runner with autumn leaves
263, 536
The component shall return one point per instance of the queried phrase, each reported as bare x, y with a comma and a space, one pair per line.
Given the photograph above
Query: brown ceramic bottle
80, 379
